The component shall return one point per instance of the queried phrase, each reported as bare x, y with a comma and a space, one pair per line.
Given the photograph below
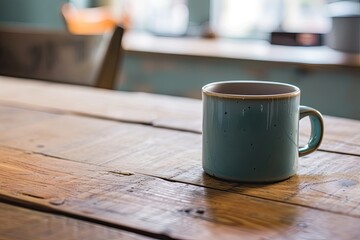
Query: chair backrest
92, 60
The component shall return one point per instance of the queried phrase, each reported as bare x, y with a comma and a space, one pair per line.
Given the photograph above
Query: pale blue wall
39, 13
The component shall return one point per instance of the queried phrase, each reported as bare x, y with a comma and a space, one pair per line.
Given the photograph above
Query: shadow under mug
251, 130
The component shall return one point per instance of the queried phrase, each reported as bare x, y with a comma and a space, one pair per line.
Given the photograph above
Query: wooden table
87, 163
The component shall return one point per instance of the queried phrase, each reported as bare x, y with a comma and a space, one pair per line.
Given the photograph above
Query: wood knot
33, 195
123, 173
57, 201
302, 225
198, 211
348, 182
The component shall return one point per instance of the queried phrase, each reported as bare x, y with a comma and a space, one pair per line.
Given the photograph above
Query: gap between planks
23, 223
32, 107
45, 209
50, 110
229, 190
338, 152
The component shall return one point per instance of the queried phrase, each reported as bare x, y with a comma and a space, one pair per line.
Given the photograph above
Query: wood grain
17, 223
162, 207
341, 135
325, 180
11, 118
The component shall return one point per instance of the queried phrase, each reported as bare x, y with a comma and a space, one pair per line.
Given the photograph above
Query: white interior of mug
250, 89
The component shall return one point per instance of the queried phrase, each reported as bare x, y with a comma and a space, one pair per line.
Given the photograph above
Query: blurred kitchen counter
180, 66
257, 50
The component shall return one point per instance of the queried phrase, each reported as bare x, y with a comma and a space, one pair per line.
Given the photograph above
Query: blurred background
175, 47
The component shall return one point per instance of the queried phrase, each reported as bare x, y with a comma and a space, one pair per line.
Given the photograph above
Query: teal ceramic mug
251, 130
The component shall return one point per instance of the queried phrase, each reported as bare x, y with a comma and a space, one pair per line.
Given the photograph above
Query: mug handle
317, 130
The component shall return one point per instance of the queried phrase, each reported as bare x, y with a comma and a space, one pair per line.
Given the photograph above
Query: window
228, 18
257, 18
169, 17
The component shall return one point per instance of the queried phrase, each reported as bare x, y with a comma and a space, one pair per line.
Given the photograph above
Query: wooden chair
92, 60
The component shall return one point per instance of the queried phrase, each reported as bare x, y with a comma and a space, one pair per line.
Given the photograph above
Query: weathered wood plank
12, 118
326, 181
18, 223
341, 135
153, 109
165, 208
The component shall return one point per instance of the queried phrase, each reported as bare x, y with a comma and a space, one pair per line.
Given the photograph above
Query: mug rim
295, 92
